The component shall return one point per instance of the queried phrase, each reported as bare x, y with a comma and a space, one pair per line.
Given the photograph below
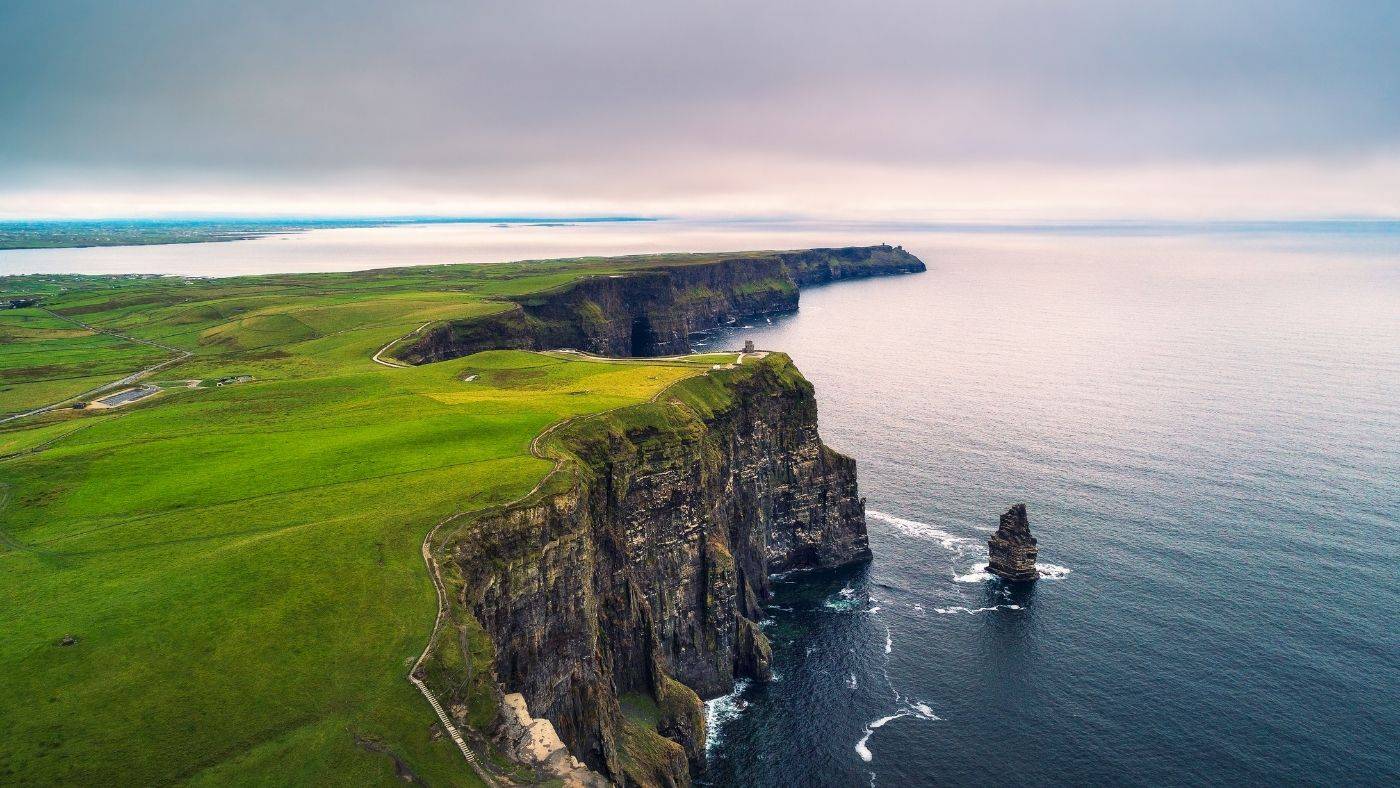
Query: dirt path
180, 356
376, 358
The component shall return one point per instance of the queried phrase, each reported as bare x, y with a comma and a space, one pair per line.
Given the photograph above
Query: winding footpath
180, 355
378, 356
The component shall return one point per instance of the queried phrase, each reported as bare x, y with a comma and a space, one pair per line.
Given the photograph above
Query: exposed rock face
644, 576
654, 311
533, 742
1011, 551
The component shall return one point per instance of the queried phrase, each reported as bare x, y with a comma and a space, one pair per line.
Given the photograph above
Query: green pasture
239, 566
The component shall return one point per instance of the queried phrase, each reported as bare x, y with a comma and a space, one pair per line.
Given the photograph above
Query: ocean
1204, 423
1206, 431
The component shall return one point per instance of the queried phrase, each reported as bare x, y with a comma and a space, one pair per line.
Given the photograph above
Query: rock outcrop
1011, 551
635, 578
654, 310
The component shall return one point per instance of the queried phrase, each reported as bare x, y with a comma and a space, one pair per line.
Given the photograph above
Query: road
180, 356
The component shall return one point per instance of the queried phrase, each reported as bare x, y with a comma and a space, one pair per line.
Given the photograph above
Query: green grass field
240, 565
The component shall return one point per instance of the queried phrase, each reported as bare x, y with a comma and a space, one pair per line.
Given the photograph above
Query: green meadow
223, 584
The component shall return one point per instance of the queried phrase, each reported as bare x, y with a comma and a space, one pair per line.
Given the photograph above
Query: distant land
66, 233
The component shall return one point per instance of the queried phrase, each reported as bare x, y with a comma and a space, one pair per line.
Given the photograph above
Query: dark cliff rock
1011, 552
653, 310
640, 570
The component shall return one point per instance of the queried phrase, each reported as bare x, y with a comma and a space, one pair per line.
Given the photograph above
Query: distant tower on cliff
748, 346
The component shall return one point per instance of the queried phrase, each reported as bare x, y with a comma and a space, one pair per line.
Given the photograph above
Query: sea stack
1011, 550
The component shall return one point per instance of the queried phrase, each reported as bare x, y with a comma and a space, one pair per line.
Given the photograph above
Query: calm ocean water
1204, 425
1207, 434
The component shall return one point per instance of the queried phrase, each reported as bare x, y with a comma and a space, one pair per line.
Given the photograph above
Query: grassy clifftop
223, 583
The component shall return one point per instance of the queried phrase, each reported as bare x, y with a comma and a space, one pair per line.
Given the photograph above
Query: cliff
627, 588
654, 310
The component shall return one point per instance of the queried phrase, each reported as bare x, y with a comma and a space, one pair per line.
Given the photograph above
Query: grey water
1206, 431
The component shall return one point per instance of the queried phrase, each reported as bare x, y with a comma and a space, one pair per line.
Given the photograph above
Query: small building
748, 346
18, 303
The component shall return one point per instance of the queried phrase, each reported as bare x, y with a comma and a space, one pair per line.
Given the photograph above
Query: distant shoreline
84, 234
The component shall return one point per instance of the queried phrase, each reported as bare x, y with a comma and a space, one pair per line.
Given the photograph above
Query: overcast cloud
919, 109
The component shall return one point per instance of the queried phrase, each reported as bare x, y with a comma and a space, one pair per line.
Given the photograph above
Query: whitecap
1052, 572
889, 641
924, 711
923, 531
875, 609
975, 576
721, 710
852, 682
862, 750
880, 723
919, 710
948, 611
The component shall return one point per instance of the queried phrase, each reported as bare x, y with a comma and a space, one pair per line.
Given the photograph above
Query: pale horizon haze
926, 111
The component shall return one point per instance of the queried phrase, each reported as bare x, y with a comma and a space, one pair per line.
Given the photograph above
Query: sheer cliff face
652, 566
653, 312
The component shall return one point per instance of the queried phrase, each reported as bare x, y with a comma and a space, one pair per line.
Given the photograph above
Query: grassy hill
223, 583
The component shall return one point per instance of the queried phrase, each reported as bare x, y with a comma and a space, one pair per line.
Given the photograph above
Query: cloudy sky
913, 110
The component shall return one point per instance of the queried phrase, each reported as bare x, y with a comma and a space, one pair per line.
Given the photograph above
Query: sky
931, 110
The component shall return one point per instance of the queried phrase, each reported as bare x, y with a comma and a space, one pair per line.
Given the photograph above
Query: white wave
852, 682
924, 711
920, 710
1052, 572
875, 609
889, 640
975, 576
721, 710
847, 592
919, 608
923, 531
947, 611
880, 723
862, 750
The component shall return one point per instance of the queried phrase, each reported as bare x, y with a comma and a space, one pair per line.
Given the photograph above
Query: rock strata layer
630, 588
1011, 552
654, 311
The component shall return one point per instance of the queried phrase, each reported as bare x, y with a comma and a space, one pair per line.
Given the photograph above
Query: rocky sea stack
1011, 551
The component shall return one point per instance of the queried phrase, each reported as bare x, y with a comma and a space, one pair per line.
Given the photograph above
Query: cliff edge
629, 585
652, 306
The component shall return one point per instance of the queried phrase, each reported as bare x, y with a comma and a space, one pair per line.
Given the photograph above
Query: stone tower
1011, 551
